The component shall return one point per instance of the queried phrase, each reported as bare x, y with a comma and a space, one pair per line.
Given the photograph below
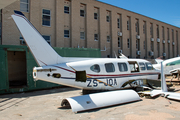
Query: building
93, 24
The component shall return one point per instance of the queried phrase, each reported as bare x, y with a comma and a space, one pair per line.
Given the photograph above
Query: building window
119, 42
96, 37
172, 35
136, 44
163, 33
168, 33
157, 31
95, 16
144, 27
82, 13
152, 46
47, 38
66, 9
66, 33
22, 42
128, 43
151, 29
24, 5
82, 35
118, 23
144, 44
158, 47
46, 17
107, 18
136, 26
108, 38
128, 25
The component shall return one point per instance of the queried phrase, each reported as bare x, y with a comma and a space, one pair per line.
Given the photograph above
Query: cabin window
95, 68
177, 62
142, 66
109, 67
133, 66
149, 66
122, 67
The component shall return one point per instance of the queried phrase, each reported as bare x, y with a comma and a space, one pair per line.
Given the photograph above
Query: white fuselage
102, 74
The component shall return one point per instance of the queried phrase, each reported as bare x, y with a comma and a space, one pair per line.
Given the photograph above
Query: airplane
84, 73
169, 64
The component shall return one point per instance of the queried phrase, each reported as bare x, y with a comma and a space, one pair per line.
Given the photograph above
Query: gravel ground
46, 105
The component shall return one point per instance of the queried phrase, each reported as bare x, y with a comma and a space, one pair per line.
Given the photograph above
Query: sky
167, 11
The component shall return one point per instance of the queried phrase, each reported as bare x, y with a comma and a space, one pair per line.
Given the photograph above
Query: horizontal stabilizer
43, 53
99, 100
174, 96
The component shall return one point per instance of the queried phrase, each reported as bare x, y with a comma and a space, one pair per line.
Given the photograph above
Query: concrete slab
46, 105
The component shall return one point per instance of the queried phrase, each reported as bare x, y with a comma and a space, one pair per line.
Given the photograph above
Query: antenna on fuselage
115, 54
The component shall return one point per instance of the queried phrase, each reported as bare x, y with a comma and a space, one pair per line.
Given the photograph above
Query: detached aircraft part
163, 91
99, 100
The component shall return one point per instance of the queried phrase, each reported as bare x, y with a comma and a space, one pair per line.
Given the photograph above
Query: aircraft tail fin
43, 53
122, 56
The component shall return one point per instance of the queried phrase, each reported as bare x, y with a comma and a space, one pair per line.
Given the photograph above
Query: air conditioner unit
173, 43
138, 52
137, 36
22, 42
158, 40
119, 33
168, 41
164, 41
151, 53
164, 54
119, 51
152, 39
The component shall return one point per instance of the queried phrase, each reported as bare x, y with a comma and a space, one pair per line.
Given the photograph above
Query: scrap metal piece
99, 100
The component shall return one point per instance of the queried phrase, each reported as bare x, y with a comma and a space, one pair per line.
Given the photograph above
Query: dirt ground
46, 105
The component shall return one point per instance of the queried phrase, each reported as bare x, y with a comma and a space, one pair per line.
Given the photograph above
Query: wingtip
18, 12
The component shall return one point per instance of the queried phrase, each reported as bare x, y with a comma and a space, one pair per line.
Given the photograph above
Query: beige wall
76, 24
